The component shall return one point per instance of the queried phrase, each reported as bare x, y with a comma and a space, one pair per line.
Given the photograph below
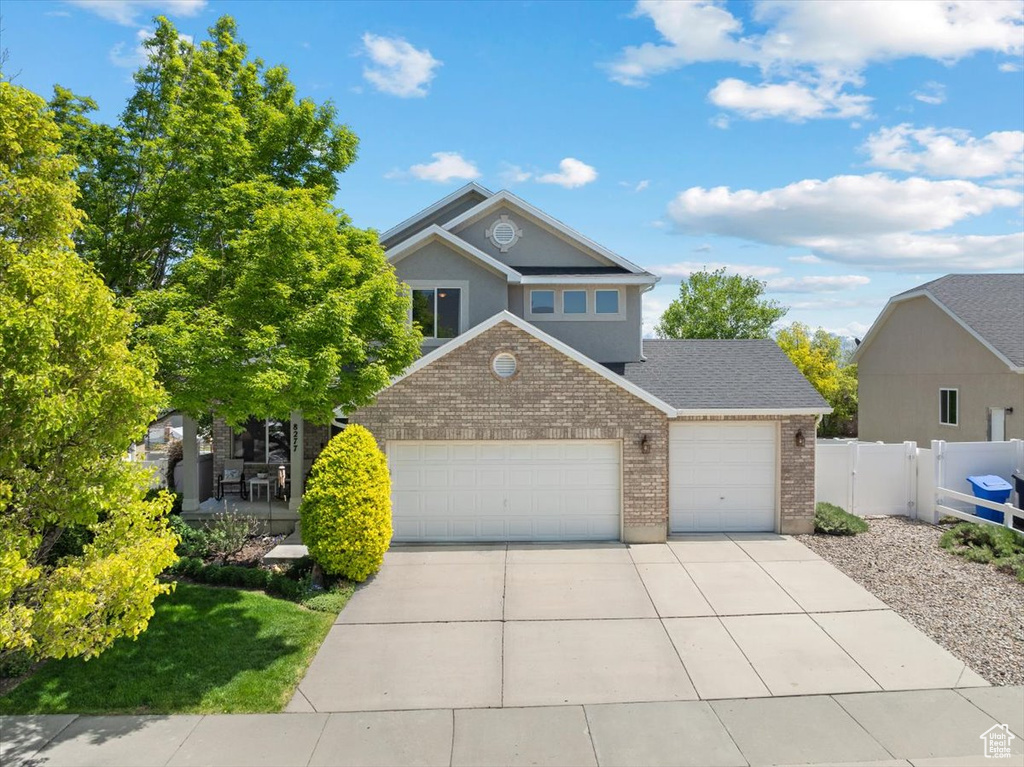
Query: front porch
274, 513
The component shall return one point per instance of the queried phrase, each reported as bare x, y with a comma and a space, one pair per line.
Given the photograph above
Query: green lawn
207, 650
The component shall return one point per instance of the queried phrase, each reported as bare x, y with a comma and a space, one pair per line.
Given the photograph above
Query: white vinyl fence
868, 478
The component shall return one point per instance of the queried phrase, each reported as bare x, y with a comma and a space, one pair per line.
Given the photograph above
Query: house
945, 361
539, 412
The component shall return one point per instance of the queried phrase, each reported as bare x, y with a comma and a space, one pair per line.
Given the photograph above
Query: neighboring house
945, 361
538, 412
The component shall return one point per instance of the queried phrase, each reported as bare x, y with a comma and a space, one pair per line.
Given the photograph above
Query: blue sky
842, 152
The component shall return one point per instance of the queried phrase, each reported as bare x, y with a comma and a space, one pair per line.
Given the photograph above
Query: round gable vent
504, 233
504, 365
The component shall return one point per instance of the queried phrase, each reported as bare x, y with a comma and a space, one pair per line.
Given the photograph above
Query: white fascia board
589, 279
752, 411
472, 186
540, 335
434, 232
890, 307
506, 196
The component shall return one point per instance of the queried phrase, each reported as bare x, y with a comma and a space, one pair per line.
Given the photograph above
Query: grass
999, 546
207, 650
829, 519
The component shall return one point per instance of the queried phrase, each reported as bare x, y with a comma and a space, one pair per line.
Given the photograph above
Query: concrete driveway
703, 617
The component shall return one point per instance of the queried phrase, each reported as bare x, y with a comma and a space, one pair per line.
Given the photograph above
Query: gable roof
471, 189
540, 335
738, 377
988, 306
434, 232
505, 197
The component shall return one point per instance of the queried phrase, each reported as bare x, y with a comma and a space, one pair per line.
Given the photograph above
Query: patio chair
232, 476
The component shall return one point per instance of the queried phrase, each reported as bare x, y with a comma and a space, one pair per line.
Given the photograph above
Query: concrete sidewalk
923, 727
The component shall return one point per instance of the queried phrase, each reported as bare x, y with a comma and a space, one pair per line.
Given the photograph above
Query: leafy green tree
202, 118
719, 305
73, 395
821, 358
209, 208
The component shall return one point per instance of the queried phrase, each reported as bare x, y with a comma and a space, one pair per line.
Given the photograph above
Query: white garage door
721, 477
505, 491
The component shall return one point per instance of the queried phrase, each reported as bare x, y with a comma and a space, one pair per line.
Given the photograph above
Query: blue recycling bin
991, 488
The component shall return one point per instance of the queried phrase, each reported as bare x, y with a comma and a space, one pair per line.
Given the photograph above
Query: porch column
298, 456
189, 465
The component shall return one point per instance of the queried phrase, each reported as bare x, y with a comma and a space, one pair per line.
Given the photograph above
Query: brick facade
550, 397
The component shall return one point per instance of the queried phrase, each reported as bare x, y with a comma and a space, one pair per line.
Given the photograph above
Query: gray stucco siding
613, 340
537, 247
437, 263
442, 216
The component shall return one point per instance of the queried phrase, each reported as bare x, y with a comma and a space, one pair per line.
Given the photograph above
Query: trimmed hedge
346, 510
831, 520
276, 584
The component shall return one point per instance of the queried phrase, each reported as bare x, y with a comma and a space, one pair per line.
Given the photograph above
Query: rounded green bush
346, 510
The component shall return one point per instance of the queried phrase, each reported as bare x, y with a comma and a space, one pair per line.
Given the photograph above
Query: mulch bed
971, 609
252, 553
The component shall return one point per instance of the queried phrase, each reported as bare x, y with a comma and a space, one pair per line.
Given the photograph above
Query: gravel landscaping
974, 611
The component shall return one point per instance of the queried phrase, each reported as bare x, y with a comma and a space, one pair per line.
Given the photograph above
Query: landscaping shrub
829, 519
175, 455
193, 543
332, 601
346, 511
987, 544
288, 585
228, 532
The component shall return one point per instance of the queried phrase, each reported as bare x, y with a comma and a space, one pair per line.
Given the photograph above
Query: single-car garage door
722, 477
505, 491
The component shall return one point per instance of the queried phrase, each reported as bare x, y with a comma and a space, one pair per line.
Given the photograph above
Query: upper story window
580, 304
438, 311
542, 302
574, 302
949, 407
606, 301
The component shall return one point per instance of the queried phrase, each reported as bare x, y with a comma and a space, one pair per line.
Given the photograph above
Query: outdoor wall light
645, 444
799, 438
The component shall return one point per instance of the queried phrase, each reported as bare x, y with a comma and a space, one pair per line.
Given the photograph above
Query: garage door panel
722, 477
517, 490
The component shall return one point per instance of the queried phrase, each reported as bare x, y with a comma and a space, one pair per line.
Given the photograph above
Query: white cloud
572, 173
398, 68
931, 93
720, 121
849, 330
684, 269
653, 307
810, 258
791, 100
127, 12
946, 151
513, 174
1010, 66
446, 166
828, 302
871, 220
817, 283
642, 185
817, 43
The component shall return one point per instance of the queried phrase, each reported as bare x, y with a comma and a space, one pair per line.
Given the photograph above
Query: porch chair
233, 475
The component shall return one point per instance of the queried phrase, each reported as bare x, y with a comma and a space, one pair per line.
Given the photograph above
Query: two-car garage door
505, 490
722, 476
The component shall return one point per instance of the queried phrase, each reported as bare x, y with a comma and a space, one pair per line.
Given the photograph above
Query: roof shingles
721, 375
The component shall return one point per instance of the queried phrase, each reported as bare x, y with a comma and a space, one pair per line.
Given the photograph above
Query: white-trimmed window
606, 301
438, 308
262, 441
949, 407
542, 302
574, 302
